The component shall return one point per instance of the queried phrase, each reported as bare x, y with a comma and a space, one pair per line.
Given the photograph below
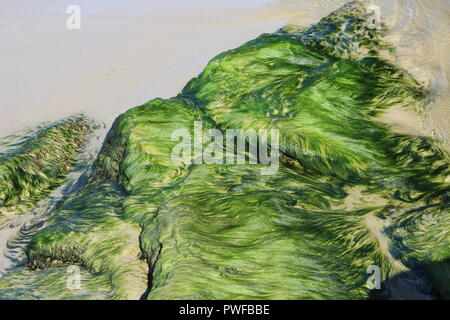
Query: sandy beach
122, 57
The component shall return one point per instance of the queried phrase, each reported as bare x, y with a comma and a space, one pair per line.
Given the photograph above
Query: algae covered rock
51, 284
350, 194
89, 229
31, 170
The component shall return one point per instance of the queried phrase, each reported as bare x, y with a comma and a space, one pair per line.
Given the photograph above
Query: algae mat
350, 195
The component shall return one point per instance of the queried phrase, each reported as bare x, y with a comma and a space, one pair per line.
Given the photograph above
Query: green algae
51, 284
350, 192
246, 234
38, 165
88, 229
